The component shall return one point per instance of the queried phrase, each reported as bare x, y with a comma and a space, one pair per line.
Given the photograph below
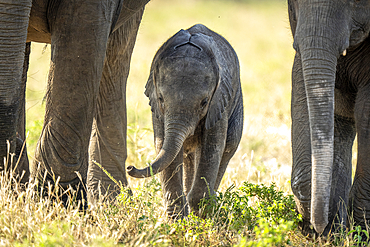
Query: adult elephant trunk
319, 76
319, 44
14, 16
175, 134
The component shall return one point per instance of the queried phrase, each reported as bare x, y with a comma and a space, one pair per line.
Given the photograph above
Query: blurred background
260, 34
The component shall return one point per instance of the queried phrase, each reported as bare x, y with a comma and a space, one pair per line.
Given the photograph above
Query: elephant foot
17, 165
359, 226
71, 193
100, 191
178, 209
74, 193
21, 163
176, 212
200, 205
359, 206
102, 187
307, 229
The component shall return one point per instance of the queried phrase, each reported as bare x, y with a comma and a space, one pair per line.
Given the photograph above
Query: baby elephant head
187, 86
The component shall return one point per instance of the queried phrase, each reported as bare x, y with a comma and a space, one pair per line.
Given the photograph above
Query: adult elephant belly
43, 11
38, 27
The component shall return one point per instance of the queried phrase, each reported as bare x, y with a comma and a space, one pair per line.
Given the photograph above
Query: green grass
254, 206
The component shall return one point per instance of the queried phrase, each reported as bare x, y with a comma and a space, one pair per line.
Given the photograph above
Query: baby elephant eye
204, 103
160, 98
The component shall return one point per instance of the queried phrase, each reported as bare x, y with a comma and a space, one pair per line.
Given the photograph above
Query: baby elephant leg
234, 134
172, 188
205, 175
171, 177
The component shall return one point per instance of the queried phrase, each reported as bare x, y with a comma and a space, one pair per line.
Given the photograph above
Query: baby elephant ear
180, 38
150, 92
220, 98
223, 91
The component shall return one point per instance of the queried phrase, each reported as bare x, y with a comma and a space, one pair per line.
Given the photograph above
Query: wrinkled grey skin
91, 46
330, 104
196, 100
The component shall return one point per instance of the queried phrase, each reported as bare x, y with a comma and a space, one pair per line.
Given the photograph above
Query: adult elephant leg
22, 165
360, 191
14, 18
344, 134
79, 35
108, 137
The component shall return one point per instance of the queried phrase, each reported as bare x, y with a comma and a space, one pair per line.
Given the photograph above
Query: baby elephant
197, 111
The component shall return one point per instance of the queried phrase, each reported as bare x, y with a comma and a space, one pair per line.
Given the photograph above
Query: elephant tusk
344, 53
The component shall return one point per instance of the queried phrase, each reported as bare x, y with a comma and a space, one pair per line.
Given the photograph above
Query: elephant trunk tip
319, 222
319, 228
137, 173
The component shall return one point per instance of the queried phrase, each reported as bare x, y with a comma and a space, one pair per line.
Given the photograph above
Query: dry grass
28, 219
259, 32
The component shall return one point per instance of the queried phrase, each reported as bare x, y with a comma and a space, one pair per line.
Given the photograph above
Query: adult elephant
85, 120
330, 103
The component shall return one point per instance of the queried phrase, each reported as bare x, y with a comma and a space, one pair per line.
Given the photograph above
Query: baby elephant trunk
175, 135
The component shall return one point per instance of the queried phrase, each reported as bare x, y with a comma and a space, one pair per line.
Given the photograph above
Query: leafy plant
267, 234
255, 211
360, 236
242, 208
